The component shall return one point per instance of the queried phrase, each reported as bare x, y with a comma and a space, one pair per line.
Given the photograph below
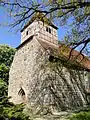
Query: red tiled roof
67, 53
74, 55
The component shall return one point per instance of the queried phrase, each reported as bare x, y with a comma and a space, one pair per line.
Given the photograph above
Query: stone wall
22, 70
46, 84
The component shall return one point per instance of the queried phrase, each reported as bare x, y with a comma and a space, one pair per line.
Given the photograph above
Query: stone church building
41, 74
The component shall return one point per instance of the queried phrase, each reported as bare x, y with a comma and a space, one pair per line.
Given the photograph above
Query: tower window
27, 33
48, 29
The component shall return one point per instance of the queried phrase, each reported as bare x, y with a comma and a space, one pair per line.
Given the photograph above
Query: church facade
39, 74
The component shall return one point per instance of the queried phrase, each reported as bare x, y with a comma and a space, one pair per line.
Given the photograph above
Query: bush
81, 116
15, 112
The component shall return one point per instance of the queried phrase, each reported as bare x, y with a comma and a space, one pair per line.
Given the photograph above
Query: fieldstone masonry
37, 81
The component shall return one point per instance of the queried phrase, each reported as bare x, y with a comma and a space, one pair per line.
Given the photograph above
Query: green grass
81, 116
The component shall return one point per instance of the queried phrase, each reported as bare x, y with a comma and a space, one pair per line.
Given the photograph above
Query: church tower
40, 26
25, 69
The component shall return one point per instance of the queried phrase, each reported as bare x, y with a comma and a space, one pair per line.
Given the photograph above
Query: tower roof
39, 17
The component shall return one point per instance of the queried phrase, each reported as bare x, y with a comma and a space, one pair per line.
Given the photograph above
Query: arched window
21, 92
22, 95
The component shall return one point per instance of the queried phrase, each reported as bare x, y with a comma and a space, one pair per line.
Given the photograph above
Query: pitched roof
39, 17
74, 56
67, 55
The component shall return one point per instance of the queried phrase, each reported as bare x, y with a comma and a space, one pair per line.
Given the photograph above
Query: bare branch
85, 42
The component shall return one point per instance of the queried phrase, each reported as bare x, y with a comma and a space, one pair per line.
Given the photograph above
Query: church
44, 73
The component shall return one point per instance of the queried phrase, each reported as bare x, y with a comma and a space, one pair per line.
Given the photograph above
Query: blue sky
13, 38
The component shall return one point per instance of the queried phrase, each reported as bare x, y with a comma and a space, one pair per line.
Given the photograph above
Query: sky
13, 38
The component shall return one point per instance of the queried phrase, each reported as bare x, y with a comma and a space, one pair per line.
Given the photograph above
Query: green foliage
81, 116
6, 55
15, 112
11, 111
4, 72
3, 89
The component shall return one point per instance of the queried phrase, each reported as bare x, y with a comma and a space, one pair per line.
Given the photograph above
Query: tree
62, 11
6, 57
